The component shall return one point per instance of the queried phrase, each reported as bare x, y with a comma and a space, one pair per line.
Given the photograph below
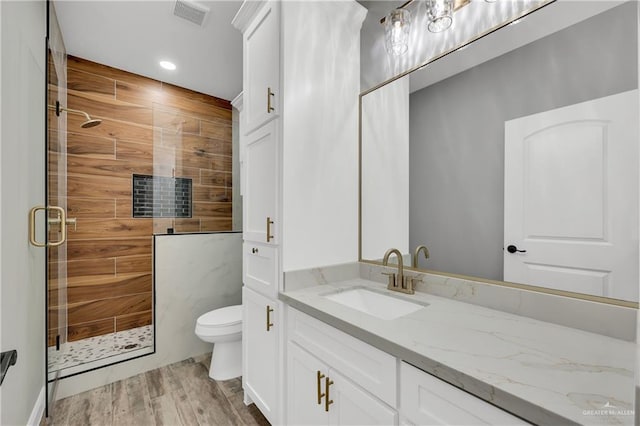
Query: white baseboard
38, 410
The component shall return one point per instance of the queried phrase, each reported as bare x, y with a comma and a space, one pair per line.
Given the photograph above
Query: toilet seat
222, 317
220, 322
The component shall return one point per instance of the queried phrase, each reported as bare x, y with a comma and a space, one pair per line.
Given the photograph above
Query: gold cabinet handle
319, 378
269, 223
270, 94
269, 323
62, 219
327, 399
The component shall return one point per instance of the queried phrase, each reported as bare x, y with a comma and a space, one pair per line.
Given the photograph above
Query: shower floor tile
100, 347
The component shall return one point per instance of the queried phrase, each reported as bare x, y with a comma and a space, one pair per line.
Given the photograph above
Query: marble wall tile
295, 280
610, 320
194, 273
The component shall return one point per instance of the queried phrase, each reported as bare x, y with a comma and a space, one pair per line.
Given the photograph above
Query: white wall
385, 170
320, 83
22, 153
194, 273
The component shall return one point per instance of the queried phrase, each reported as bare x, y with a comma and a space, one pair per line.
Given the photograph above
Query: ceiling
135, 35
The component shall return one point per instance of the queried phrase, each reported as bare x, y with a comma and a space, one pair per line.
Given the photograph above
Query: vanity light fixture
168, 65
396, 27
397, 23
440, 14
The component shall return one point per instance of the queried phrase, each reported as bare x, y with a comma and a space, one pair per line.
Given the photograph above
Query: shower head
90, 122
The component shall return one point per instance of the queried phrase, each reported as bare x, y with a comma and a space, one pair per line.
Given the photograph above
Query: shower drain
130, 346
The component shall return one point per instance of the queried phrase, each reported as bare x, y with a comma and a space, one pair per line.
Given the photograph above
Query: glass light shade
440, 14
396, 28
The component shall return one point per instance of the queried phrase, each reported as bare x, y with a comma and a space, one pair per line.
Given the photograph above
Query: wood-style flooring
178, 394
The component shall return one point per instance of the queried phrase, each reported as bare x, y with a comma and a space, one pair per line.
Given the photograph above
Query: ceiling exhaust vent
191, 11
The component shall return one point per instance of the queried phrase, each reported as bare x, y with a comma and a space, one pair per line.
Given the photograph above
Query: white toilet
223, 328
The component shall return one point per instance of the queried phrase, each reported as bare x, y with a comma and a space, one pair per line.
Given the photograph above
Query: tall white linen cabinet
299, 165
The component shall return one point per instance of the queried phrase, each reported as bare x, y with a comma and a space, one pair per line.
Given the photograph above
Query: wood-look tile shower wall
148, 127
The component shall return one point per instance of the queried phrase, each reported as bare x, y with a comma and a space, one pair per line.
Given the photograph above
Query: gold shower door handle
62, 219
269, 323
269, 223
270, 94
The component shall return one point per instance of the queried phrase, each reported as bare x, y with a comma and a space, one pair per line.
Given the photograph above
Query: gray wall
457, 132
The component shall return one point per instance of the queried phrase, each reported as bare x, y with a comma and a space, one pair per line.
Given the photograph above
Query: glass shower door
57, 221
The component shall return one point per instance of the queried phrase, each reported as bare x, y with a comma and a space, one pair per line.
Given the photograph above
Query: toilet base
226, 360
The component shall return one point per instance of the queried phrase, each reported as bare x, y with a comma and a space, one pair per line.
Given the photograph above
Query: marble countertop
545, 373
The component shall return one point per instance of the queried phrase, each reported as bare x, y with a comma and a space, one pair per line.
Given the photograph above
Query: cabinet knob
254, 250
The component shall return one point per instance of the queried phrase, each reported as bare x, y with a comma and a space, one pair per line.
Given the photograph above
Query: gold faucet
397, 282
417, 253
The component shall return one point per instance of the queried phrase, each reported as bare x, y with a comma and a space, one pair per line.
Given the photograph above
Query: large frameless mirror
514, 158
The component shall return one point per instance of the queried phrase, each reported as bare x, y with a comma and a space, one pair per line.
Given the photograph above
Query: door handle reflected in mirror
513, 249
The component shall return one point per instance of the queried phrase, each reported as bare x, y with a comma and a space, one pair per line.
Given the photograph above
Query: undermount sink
379, 305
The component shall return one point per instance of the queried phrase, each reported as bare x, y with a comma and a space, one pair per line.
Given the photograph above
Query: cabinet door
261, 83
304, 388
260, 327
353, 406
259, 268
427, 400
261, 194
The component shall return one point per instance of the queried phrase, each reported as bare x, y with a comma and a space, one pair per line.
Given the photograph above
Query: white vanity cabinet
320, 395
299, 119
261, 76
259, 127
260, 268
261, 326
427, 400
261, 191
333, 378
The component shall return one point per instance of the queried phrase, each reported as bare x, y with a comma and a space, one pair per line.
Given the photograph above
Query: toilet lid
222, 317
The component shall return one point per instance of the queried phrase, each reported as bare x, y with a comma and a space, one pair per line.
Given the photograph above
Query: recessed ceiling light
168, 65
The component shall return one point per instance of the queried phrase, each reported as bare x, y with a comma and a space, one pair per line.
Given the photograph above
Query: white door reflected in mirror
570, 176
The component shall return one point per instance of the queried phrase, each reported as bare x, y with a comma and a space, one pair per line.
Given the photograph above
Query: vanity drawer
369, 367
427, 400
259, 268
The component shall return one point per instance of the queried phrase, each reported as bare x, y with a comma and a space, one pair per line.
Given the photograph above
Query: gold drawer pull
269, 323
269, 223
327, 400
270, 94
319, 378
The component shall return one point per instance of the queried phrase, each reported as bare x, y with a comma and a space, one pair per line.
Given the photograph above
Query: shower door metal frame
55, 194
